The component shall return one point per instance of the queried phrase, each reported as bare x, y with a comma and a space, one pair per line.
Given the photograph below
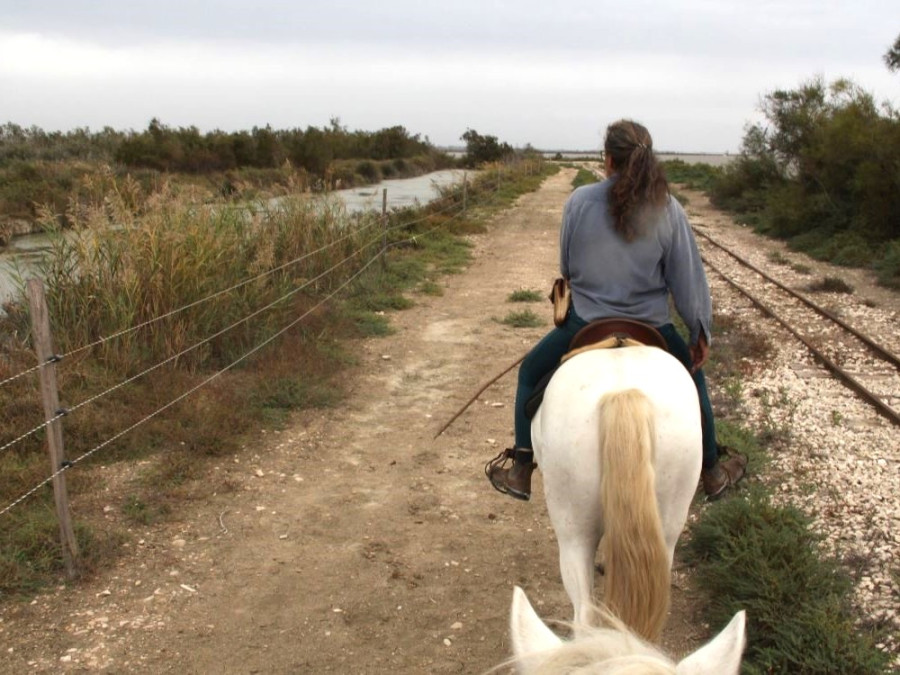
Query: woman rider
625, 245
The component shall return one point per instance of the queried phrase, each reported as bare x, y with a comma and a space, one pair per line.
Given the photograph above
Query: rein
479, 392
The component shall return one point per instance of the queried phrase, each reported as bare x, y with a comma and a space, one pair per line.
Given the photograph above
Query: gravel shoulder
842, 463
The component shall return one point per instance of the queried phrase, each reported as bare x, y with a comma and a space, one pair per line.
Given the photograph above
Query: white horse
618, 441
614, 649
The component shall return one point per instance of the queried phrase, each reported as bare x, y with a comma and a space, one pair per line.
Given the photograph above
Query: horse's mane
610, 648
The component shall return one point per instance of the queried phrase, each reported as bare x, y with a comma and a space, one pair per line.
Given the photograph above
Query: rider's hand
699, 353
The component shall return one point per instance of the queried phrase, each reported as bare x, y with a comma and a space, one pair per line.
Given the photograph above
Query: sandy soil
354, 541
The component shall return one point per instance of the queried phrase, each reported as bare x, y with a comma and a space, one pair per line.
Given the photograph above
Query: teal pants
545, 356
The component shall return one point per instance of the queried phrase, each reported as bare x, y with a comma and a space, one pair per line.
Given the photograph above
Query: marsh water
20, 258
24, 252
401, 192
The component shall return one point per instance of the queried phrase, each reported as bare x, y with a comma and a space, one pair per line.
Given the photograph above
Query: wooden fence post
43, 345
465, 191
384, 225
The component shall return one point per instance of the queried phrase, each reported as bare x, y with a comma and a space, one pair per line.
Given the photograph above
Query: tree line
187, 150
55, 169
822, 171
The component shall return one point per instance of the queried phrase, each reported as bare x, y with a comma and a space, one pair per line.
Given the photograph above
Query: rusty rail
854, 384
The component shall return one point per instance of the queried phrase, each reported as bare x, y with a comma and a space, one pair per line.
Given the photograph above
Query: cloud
529, 72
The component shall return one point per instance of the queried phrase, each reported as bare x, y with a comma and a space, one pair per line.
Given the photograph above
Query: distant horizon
594, 151
439, 146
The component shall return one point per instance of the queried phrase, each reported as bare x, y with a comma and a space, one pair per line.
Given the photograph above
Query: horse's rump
619, 444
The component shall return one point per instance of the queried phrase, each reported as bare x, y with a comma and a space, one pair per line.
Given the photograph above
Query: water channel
25, 252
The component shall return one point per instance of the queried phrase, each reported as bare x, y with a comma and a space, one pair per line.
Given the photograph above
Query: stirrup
499, 462
731, 468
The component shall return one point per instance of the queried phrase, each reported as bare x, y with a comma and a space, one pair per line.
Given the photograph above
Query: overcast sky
552, 73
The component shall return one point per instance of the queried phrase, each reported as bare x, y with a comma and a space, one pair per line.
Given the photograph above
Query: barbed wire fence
451, 208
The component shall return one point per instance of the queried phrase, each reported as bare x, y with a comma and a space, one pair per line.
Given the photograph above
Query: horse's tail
636, 557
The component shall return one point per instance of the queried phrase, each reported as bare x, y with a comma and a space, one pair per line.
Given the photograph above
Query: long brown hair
641, 187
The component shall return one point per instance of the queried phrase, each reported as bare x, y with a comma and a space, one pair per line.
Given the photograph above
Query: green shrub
342, 175
821, 172
764, 559
369, 171
387, 170
832, 285
888, 267
697, 176
743, 185
847, 248
807, 242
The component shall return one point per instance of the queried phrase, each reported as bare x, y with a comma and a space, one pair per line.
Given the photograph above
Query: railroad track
840, 461
862, 363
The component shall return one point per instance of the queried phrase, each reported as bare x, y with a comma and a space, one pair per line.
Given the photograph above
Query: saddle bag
561, 297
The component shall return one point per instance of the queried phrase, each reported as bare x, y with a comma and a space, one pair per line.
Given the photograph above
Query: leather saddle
600, 334
622, 329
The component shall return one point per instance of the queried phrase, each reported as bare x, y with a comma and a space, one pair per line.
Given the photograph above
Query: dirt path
353, 541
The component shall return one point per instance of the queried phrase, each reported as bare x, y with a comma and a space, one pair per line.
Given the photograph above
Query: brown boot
514, 481
727, 472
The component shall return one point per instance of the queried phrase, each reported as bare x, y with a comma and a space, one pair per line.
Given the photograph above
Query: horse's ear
529, 633
721, 655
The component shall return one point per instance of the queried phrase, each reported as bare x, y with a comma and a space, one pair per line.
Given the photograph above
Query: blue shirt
611, 277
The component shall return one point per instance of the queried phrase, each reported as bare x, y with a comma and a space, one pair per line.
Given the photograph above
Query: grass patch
381, 300
446, 253
583, 177
800, 268
778, 258
294, 392
431, 288
831, 285
368, 324
525, 295
764, 559
30, 552
140, 512
522, 319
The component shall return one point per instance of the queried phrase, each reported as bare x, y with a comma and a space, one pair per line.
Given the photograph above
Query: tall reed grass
117, 269
205, 268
